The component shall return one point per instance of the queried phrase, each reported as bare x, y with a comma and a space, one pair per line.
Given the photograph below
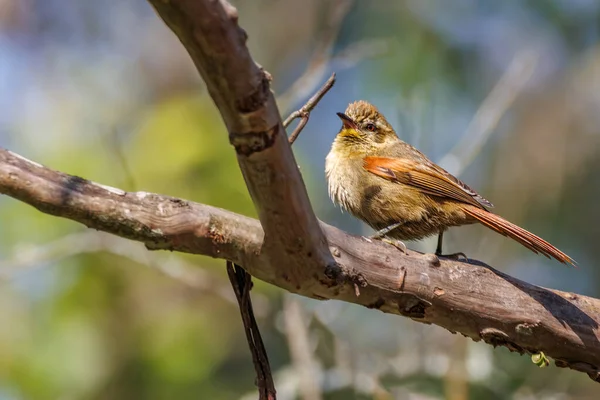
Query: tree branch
240, 89
241, 282
473, 299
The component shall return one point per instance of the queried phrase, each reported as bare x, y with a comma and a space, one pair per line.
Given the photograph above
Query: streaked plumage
382, 180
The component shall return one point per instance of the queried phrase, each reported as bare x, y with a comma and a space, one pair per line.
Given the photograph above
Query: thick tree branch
240, 89
475, 300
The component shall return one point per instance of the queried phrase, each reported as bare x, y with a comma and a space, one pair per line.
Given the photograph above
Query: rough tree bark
288, 247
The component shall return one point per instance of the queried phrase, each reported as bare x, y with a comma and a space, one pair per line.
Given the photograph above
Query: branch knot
246, 144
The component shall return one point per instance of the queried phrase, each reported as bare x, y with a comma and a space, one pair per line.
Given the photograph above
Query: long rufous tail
527, 239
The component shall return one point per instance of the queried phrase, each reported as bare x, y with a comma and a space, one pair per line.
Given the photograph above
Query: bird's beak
347, 121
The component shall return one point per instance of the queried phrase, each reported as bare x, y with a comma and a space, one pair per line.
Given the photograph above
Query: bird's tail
526, 238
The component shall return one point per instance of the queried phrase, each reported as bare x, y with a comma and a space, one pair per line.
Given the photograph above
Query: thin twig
304, 112
241, 281
490, 112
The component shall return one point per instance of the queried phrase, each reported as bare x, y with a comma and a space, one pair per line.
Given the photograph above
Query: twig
490, 112
241, 281
304, 112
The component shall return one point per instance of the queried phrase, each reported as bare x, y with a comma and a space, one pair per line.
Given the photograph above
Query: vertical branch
241, 282
240, 89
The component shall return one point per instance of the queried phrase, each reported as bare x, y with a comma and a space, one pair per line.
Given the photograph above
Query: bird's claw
455, 256
396, 243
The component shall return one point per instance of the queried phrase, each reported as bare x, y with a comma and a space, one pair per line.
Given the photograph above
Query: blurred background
504, 94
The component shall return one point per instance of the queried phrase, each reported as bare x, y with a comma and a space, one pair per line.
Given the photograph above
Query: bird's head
364, 128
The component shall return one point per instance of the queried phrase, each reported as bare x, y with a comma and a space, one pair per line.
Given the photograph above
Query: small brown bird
403, 195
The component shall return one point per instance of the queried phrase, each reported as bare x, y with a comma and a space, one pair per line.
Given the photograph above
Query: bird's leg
382, 233
438, 250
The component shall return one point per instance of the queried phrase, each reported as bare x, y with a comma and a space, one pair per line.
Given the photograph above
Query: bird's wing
427, 177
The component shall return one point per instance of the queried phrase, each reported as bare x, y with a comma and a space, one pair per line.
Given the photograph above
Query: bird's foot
454, 256
381, 235
394, 242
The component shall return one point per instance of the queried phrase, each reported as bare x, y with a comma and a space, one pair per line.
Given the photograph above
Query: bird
402, 194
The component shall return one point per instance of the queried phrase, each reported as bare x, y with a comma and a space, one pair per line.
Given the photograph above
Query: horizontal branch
473, 299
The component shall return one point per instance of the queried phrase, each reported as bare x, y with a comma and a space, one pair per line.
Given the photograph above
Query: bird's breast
379, 202
343, 175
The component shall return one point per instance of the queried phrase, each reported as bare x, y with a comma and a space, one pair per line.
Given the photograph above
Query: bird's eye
370, 127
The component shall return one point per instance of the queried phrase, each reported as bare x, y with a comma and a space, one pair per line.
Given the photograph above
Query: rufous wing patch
430, 180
